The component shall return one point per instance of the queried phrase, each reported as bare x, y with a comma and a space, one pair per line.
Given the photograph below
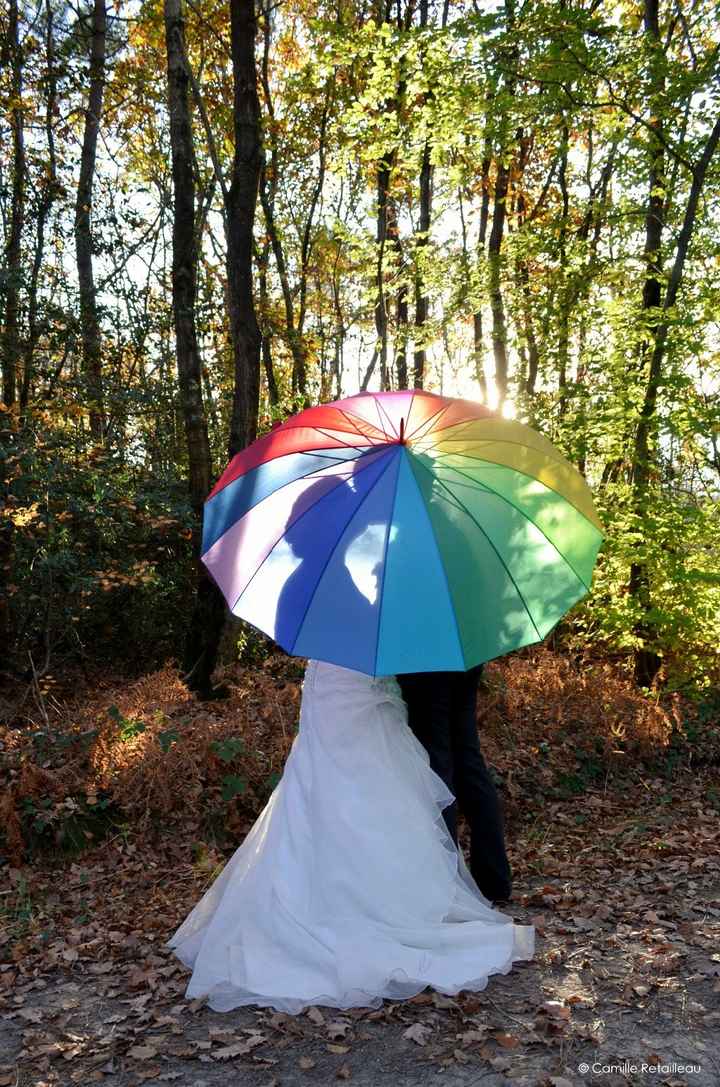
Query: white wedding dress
348, 889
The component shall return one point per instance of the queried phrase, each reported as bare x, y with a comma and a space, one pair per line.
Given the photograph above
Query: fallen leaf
239, 1049
343, 1073
509, 1041
306, 1063
337, 1029
142, 1052
418, 1033
338, 1048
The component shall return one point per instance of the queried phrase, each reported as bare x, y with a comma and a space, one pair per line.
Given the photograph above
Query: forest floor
621, 878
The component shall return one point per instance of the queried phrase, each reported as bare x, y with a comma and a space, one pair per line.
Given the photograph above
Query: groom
441, 713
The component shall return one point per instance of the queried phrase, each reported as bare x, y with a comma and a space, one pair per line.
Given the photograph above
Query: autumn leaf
418, 1033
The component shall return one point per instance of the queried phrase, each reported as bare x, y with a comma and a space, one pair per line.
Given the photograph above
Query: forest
216, 214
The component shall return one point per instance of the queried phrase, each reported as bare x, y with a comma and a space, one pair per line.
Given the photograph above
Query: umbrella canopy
401, 532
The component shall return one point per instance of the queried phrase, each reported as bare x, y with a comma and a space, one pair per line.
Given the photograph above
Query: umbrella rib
499, 464
333, 461
500, 558
381, 409
325, 430
552, 453
303, 514
335, 546
351, 419
345, 445
435, 415
526, 516
458, 422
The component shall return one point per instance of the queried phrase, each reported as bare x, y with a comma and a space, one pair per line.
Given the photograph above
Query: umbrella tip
402, 430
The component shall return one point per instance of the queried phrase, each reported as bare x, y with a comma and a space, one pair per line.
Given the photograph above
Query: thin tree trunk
47, 198
242, 202
12, 56
294, 319
422, 302
497, 307
477, 316
9, 342
340, 330
265, 326
564, 316
401, 298
381, 303
89, 320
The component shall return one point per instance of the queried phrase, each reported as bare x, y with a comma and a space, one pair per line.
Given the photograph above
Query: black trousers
442, 714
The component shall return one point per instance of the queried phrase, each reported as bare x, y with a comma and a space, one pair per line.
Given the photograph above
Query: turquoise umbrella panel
416, 602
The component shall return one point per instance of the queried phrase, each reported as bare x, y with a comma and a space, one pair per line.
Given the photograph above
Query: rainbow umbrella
401, 532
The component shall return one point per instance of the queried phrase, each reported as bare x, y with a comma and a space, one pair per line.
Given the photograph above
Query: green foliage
677, 540
129, 728
101, 553
232, 786
167, 738
69, 825
228, 750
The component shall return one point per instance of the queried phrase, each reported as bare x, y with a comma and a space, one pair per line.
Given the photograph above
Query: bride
348, 889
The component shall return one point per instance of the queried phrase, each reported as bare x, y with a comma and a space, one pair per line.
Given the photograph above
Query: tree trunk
381, 304
295, 339
89, 321
206, 622
46, 200
401, 298
564, 290
266, 327
422, 303
242, 202
497, 307
477, 316
421, 240
12, 56
647, 661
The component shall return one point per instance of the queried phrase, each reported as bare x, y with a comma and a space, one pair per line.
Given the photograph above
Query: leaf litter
620, 879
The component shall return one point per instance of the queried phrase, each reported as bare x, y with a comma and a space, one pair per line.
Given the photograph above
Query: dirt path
624, 892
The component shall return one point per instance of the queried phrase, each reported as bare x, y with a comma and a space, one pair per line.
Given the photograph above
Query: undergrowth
144, 759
